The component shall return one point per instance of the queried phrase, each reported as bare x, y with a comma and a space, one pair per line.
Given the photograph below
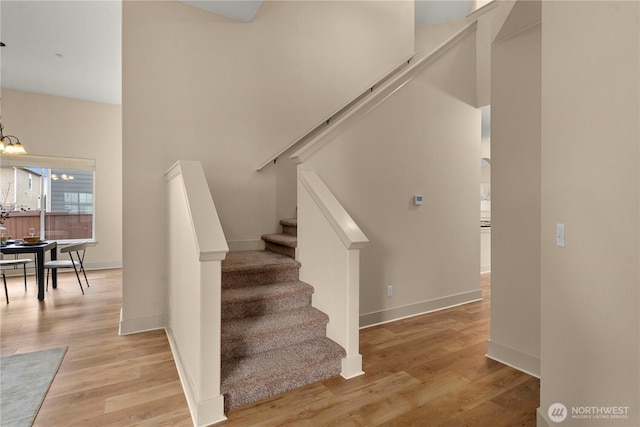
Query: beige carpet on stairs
273, 340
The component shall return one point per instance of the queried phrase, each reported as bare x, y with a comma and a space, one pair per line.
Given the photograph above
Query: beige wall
231, 94
515, 205
489, 24
430, 36
64, 127
591, 183
424, 139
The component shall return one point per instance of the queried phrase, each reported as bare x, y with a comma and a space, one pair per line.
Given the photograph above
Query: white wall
424, 139
516, 195
230, 94
590, 345
63, 127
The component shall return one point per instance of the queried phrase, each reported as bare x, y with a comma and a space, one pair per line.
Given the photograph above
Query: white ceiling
73, 48
243, 10
63, 48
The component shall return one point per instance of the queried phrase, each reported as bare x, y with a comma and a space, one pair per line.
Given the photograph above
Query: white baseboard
352, 366
519, 360
485, 268
92, 266
397, 313
245, 245
541, 420
102, 265
141, 324
203, 413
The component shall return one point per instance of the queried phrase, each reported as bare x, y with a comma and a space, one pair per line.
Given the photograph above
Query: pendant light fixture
10, 144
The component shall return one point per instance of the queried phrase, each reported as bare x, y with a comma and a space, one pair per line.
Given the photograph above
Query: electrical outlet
389, 290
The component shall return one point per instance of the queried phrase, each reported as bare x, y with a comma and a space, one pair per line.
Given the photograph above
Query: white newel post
196, 248
329, 244
352, 364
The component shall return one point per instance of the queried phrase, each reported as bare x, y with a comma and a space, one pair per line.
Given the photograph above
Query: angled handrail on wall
387, 89
196, 247
329, 120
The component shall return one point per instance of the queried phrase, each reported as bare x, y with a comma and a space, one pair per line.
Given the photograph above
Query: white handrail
346, 228
387, 89
327, 121
212, 244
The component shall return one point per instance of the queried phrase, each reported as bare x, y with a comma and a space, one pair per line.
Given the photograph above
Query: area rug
24, 381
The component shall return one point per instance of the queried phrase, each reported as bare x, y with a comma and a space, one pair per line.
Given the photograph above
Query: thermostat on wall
417, 199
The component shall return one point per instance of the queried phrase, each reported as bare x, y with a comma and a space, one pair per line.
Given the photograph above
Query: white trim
245, 245
210, 240
141, 324
517, 33
482, 10
541, 420
527, 363
88, 267
346, 107
197, 248
387, 89
202, 413
423, 307
485, 269
49, 162
344, 226
352, 366
103, 265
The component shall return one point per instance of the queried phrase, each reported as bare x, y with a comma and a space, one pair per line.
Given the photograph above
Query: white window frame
50, 162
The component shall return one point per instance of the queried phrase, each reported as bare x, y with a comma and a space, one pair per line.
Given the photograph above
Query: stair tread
281, 239
268, 323
254, 260
272, 339
262, 292
289, 222
274, 364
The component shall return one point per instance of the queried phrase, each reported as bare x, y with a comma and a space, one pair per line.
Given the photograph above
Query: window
54, 195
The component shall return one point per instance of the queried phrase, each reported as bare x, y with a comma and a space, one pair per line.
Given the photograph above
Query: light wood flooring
428, 370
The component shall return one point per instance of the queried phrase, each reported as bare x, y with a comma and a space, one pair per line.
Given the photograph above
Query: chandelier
10, 144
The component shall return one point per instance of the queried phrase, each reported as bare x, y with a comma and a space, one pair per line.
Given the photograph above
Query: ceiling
73, 48
433, 11
63, 48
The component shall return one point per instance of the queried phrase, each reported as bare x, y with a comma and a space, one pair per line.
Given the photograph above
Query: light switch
560, 235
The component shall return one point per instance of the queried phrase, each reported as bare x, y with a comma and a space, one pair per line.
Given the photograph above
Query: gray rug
24, 381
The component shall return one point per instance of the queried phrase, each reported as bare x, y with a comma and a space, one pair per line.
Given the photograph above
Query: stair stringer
386, 90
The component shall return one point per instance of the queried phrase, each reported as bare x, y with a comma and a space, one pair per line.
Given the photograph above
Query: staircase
273, 340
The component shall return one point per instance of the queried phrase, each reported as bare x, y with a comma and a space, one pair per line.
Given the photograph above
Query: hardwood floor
104, 379
428, 370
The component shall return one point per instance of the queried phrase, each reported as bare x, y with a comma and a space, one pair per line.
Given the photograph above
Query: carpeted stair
283, 243
273, 340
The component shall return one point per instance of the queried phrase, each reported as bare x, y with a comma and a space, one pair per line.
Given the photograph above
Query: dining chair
13, 263
76, 253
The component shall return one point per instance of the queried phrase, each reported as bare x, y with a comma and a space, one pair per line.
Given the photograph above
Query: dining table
40, 250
